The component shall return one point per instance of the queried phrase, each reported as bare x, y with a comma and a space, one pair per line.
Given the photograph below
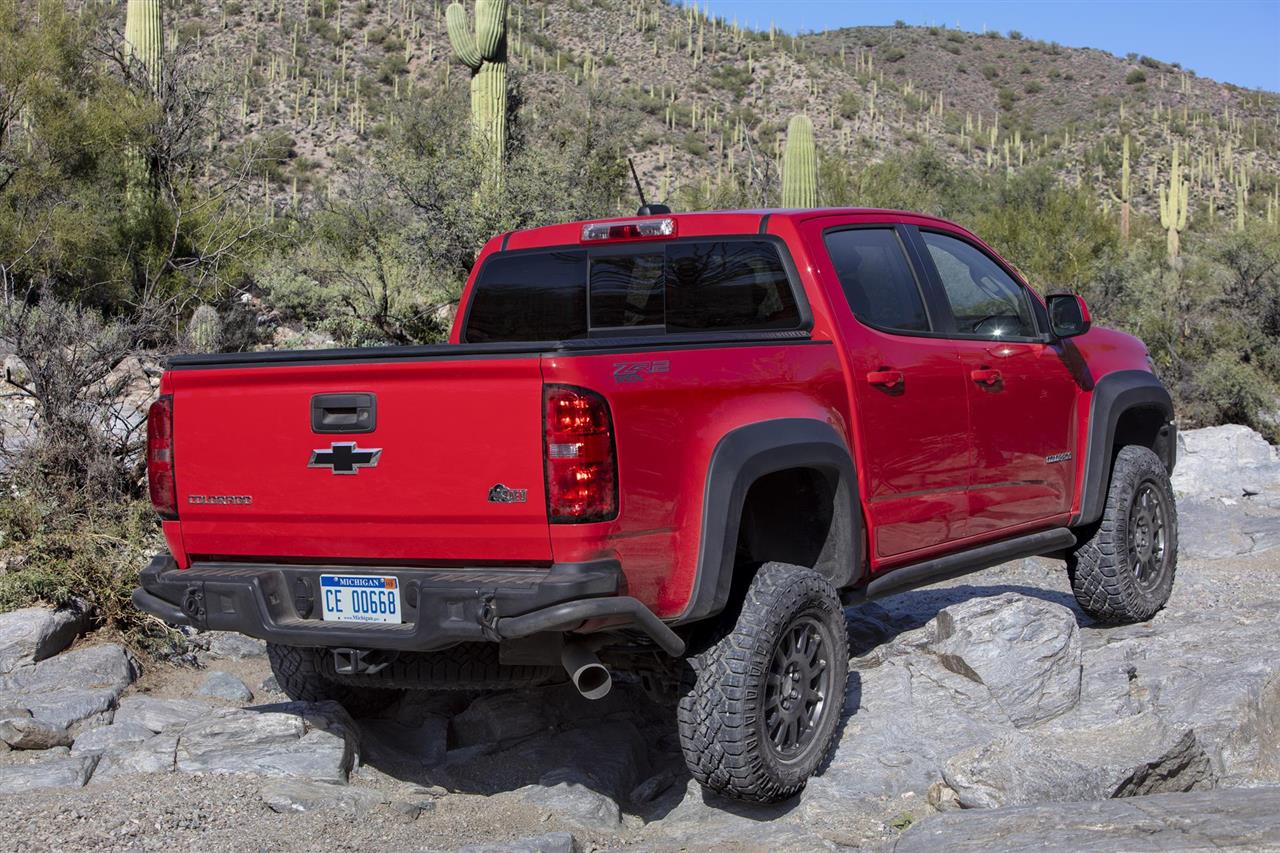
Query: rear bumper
442, 607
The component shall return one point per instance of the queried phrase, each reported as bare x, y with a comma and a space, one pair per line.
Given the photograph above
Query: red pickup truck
673, 446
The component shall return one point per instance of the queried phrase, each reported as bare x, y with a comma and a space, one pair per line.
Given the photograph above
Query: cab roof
712, 223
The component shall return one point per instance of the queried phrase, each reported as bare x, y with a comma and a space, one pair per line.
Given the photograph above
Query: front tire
1124, 571
760, 711
297, 671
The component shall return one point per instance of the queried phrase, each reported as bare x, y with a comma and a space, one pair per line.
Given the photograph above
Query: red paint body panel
943, 462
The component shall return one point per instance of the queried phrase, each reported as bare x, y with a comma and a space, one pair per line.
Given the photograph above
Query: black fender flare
1113, 395
746, 454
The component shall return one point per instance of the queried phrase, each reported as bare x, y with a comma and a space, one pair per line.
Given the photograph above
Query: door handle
885, 378
346, 413
985, 375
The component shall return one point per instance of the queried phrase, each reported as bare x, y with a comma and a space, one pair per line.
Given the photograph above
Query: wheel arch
1128, 407
751, 455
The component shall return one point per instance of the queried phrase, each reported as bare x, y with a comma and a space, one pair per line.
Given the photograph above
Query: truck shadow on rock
585, 763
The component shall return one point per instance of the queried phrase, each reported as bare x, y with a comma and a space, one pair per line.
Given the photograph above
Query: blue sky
1236, 41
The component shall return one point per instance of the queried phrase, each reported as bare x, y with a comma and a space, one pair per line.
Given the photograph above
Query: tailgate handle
346, 413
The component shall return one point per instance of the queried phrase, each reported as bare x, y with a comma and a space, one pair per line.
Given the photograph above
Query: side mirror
1068, 315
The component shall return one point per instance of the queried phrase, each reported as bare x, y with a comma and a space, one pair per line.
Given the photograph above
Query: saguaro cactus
800, 165
1173, 205
144, 37
486, 55
144, 42
1125, 198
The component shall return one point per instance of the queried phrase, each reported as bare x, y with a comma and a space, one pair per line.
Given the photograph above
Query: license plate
360, 598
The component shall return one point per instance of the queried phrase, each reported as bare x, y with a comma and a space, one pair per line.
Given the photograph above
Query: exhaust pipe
585, 671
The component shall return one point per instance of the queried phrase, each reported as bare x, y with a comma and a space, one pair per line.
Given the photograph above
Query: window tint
536, 296
627, 290
738, 284
877, 279
985, 300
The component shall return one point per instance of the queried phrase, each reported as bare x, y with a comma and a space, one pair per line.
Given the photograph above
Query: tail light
160, 482
582, 469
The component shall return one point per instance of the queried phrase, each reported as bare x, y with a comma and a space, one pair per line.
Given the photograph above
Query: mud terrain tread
298, 673
1100, 577
717, 713
468, 666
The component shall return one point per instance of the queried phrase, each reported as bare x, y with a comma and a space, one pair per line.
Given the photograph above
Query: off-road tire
722, 712
299, 674
1101, 568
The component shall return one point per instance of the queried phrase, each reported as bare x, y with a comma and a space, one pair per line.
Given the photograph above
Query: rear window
691, 286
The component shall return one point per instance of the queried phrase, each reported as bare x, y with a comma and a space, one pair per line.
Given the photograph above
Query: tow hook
361, 661
488, 618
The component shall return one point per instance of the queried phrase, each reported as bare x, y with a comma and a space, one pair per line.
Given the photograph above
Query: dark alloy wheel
1147, 536
1123, 569
797, 687
760, 706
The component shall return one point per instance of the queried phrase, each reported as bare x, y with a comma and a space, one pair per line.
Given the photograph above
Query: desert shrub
1135, 77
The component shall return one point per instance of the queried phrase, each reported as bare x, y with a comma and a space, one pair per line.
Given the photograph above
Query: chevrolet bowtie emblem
345, 457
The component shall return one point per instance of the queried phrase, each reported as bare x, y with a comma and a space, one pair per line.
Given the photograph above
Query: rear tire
298, 672
761, 705
1124, 571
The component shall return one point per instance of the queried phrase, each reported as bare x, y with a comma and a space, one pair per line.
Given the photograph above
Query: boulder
76, 689
1131, 757
314, 741
53, 771
224, 685
160, 715
499, 717
1025, 651
30, 733
1229, 461
1243, 819
228, 645
300, 795
573, 804
32, 634
106, 737
157, 754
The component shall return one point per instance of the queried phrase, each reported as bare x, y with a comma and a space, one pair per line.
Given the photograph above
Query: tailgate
255, 480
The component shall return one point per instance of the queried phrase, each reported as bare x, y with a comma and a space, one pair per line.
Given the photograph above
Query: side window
737, 285
985, 300
877, 280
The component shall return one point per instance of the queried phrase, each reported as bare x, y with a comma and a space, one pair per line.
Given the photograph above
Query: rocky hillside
312, 84
986, 713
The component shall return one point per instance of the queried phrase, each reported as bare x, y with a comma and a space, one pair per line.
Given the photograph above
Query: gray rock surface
300, 795
1227, 482
71, 690
50, 770
35, 633
314, 741
224, 685
106, 737
574, 804
228, 645
157, 754
29, 733
1239, 819
1131, 757
1025, 651
160, 715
